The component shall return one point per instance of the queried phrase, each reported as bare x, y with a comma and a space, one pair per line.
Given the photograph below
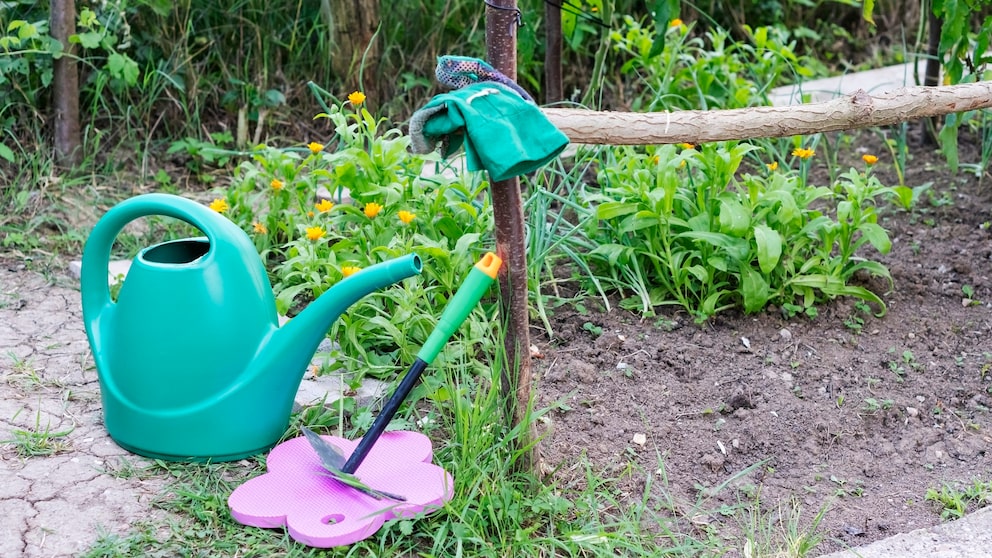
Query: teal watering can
192, 362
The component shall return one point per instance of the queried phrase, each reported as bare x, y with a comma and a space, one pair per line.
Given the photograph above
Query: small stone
639, 439
912, 411
785, 334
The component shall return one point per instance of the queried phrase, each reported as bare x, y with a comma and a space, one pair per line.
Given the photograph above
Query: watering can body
192, 363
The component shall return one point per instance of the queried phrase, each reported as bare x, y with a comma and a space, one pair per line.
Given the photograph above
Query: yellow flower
309, 213
276, 184
356, 98
772, 166
655, 159
324, 206
687, 146
802, 153
869, 159
372, 209
260, 228
675, 23
315, 233
219, 205
347, 270
406, 216
682, 164
315, 147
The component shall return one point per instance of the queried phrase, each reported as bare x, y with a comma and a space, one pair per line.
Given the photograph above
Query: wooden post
65, 85
354, 24
552, 54
501, 50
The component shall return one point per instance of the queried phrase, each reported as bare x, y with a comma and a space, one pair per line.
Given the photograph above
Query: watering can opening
184, 251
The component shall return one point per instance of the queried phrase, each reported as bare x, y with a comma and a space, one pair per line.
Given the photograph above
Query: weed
39, 441
954, 501
593, 329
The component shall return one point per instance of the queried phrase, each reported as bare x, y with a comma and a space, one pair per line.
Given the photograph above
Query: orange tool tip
489, 264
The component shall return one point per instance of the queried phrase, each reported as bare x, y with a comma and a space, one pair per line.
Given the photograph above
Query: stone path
58, 504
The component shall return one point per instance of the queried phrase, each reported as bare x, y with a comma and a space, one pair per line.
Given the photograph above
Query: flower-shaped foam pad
319, 511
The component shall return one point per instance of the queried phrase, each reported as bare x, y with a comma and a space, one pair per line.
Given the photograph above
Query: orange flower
315, 233
276, 184
260, 228
324, 206
219, 205
869, 159
406, 216
687, 146
802, 153
348, 270
315, 147
675, 23
356, 98
372, 209
772, 166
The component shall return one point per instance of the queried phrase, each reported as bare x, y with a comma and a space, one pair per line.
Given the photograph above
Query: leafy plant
686, 232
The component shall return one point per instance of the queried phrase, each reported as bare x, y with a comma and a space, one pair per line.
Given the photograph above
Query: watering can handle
96, 254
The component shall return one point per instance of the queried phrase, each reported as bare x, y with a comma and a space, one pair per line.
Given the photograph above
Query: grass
38, 441
496, 510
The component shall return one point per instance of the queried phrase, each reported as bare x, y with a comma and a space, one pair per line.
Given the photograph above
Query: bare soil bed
856, 413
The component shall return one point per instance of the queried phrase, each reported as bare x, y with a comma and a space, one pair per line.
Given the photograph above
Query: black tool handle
386, 415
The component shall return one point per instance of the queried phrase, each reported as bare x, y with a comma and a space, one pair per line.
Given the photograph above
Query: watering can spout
294, 344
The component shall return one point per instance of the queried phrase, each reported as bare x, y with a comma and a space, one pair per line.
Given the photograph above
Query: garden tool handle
469, 293
461, 304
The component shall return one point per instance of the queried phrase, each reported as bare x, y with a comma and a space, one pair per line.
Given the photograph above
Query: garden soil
849, 413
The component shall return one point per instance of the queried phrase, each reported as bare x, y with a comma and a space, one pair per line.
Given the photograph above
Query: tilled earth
850, 413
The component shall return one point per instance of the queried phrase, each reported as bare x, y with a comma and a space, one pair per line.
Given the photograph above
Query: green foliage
954, 501
708, 70
678, 228
392, 210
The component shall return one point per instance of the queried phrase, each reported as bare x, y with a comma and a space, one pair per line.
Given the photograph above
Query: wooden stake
501, 51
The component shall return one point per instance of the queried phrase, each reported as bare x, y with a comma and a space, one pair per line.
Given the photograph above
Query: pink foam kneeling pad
319, 511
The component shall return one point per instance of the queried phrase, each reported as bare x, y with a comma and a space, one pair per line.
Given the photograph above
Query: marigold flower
315, 147
276, 184
372, 209
772, 166
309, 213
347, 270
686, 145
260, 228
324, 206
675, 23
219, 205
356, 98
315, 233
406, 216
869, 159
802, 153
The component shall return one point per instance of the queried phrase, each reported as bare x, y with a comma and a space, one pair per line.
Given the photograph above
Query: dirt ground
854, 413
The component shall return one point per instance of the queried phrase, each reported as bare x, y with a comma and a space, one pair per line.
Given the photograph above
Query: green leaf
867, 7
735, 219
769, 244
877, 236
612, 210
948, 137
332, 459
754, 290
6, 153
89, 39
663, 14
122, 67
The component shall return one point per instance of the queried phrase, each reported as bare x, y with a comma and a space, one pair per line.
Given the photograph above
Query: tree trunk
65, 86
857, 110
501, 50
355, 48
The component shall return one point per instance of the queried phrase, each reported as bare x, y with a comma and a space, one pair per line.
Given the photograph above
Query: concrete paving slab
968, 537
873, 81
